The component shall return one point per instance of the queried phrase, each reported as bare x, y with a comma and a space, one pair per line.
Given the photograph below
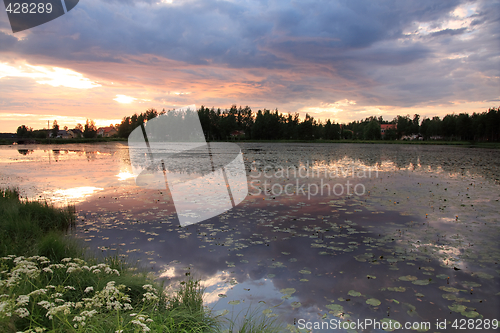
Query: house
61, 134
75, 133
106, 132
386, 127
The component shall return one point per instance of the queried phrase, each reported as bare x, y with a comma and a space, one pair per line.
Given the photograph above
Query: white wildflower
144, 327
38, 292
22, 312
88, 289
149, 296
73, 269
148, 287
46, 305
22, 300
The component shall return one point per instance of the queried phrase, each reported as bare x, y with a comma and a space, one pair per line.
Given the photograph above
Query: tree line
243, 123
89, 130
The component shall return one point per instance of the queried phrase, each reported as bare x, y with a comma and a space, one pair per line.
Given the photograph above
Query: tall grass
24, 224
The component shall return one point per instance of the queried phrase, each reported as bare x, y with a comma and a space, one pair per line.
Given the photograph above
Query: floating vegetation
424, 227
373, 301
354, 293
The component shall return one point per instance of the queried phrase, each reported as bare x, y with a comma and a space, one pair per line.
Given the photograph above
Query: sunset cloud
54, 76
298, 57
124, 99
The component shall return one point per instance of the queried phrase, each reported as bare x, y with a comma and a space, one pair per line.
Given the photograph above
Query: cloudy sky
338, 59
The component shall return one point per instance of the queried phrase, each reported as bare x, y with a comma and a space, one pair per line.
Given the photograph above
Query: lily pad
408, 278
391, 324
449, 289
235, 302
457, 307
336, 309
288, 291
483, 275
373, 301
354, 293
421, 282
296, 305
470, 314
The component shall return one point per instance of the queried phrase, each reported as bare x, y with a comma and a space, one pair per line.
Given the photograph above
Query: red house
385, 127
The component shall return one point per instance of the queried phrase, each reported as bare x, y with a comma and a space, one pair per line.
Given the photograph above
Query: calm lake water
328, 233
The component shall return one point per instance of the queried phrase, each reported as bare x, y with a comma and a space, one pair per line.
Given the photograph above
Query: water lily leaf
408, 278
235, 302
398, 289
470, 314
222, 296
455, 307
371, 276
373, 301
304, 271
421, 282
296, 305
335, 308
483, 275
288, 291
354, 293
449, 289
442, 276
471, 284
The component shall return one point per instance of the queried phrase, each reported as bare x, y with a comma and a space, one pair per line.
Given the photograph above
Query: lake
343, 234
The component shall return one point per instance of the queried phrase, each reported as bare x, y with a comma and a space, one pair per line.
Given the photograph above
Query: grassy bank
48, 283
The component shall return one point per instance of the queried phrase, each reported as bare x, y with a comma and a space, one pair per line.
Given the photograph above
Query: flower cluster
58, 301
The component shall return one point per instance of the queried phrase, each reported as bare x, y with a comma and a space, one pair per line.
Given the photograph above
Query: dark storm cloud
226, 33
450, 32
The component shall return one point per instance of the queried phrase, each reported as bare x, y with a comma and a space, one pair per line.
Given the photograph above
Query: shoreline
466, 144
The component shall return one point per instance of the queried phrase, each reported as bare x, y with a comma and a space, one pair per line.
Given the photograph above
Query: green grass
24, 225
49, 282
253, 320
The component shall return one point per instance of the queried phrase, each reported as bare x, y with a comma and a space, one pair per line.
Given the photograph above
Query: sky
342, 60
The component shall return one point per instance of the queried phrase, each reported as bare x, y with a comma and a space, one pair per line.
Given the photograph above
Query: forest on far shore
243, 123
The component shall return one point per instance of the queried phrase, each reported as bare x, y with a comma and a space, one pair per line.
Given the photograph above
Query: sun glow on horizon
54, 76
124, 99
